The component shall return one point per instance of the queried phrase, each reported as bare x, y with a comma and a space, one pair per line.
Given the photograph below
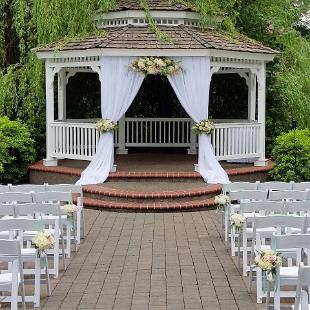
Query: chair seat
6, 278
32, 233
28, 252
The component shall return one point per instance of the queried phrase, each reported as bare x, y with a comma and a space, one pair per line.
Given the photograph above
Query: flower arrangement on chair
237, 220
221, 201
106, 125
269, 261
43, 241
70, 209
205, 126
156, 66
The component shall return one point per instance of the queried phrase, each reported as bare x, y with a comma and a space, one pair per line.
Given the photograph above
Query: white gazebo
128, 35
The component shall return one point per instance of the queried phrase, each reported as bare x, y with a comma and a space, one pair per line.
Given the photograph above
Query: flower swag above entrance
120, 85
156, 66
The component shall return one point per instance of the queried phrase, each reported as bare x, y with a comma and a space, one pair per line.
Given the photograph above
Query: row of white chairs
280, 215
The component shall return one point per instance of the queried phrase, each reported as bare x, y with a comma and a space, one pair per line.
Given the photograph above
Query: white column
193, 142
62, 95
252, 97
121, 137
261, 109
49, 81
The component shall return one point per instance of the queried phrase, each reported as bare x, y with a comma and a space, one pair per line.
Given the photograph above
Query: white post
193, 141
62, 95
252, 97
121, 137
261, 107
49, 81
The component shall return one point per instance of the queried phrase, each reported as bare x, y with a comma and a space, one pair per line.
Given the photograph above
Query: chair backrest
4, 188
301, 298
266, 207
20, 224
37, 209
301, 186
275, 186
288, 241
288, 195
75, 189
253, 195
290, 221
9, 248
15, 197
236, 186
26, 188
297, 206
7, 209
62, 197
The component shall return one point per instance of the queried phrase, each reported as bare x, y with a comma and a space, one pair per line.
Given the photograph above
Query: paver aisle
151, 261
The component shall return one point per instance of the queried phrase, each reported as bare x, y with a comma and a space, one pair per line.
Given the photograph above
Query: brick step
140, 196
156, 206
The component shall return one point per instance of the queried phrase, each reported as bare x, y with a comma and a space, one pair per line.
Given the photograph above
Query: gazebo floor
148, 182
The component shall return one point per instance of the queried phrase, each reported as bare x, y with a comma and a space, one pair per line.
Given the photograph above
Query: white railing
77, 139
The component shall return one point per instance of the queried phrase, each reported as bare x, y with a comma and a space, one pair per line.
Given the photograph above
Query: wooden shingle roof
181, 37
154, 5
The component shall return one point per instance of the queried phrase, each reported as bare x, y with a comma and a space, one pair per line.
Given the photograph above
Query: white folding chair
301, 186
6, 211
21, 225
49, 214
288, 195
303, 280
275, 186
15, 197
13, 278
74, 189
249, 210
62, 198
236, 197
26, 188
288, 275
237, 186
4, 189
278, 222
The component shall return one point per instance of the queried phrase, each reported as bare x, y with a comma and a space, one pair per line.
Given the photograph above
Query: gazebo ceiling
181, 37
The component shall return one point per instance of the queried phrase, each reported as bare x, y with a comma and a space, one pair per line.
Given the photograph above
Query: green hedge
291, 156
16, 151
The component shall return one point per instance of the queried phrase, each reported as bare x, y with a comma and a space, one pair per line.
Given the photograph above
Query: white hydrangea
70, 209
237, 220
43, 241
221, 199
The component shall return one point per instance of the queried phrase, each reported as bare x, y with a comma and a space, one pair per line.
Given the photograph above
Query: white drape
119, 86
192, 89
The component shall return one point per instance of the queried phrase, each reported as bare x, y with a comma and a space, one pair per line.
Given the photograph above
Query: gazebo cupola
126, 34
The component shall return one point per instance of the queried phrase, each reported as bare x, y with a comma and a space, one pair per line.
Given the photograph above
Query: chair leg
37, 282
47, 276
68, 240
244, 253
63, 250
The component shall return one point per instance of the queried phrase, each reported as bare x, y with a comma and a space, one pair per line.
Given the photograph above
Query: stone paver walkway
151, 261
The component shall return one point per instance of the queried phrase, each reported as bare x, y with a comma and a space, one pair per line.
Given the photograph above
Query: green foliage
291, 155
16, 151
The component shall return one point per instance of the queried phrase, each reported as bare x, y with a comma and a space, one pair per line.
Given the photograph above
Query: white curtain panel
192, 89
119, 86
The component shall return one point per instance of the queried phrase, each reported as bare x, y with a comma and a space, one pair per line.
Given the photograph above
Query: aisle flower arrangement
106, 125
155, 66
43, 241
237, 220
269, 261
205, 126
221, 201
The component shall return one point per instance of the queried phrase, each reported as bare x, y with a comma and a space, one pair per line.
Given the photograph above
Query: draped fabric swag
119, 86
192, 86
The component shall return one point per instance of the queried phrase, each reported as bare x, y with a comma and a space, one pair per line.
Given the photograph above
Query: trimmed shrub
291, 156
16, 151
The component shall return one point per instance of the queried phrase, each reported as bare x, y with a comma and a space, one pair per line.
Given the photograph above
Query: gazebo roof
154, 5
181, 37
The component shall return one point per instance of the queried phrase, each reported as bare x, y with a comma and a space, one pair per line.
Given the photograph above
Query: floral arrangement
268, 261
155, 65
221, 200
205, 126
106, 125
43, 241
70, 208
237, 220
